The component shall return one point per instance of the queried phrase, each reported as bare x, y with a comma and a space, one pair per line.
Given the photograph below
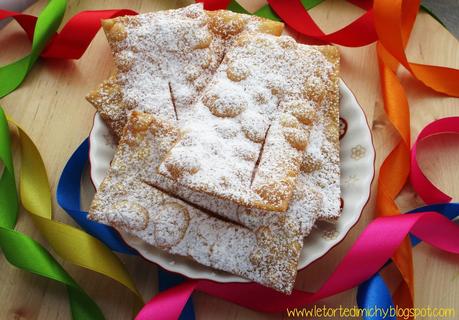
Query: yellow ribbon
71, 244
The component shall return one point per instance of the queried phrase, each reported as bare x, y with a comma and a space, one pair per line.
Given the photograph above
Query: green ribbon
12, 75
24, 252
20, 250
266, 11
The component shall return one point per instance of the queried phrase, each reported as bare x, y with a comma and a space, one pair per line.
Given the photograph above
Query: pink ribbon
368, 254
426, 190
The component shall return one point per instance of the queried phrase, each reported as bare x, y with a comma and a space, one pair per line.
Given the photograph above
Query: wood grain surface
50, 105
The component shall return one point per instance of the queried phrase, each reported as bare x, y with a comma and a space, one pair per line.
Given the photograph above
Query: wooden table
50, 105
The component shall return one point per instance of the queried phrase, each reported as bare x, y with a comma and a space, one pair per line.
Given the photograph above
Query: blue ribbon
374, 292
68, 197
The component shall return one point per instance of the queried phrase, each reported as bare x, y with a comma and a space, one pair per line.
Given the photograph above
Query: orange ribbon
394, 21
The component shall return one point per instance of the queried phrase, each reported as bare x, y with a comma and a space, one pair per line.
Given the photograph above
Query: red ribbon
76, 35
215, 4
27, 22
359, 33
426, 189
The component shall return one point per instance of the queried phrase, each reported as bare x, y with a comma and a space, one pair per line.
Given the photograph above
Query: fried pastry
164, 59
304, 208
244, 139
263, 246
318, 180
267, 254
321, 160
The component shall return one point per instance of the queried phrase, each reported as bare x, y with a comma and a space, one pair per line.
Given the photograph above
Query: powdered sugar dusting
246, 100
168, 52
266, 250
126, 202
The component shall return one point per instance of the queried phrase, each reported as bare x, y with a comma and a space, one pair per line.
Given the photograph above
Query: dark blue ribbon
374, 292
68, 197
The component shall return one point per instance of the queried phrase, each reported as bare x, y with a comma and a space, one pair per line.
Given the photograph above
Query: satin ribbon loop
393, 23
68, 197
358, 33
12, 75
86, 24
69, 243
24, 252
70, 43
426, 190
358, 265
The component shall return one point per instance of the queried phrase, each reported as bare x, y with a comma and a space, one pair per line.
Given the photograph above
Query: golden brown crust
108, 100
114, 30
271, 27
226, 24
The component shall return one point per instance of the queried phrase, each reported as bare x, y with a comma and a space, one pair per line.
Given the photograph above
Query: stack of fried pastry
227, 132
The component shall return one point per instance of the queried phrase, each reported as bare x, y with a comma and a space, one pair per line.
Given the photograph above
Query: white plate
357, 172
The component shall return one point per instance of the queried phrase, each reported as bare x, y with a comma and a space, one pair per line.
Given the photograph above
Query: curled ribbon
265, 11
395, 169
372, 292
426, 190
68, 242
294, 15
383, 235
70, 43
393, 23
24, 252
68, 197
12, 75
